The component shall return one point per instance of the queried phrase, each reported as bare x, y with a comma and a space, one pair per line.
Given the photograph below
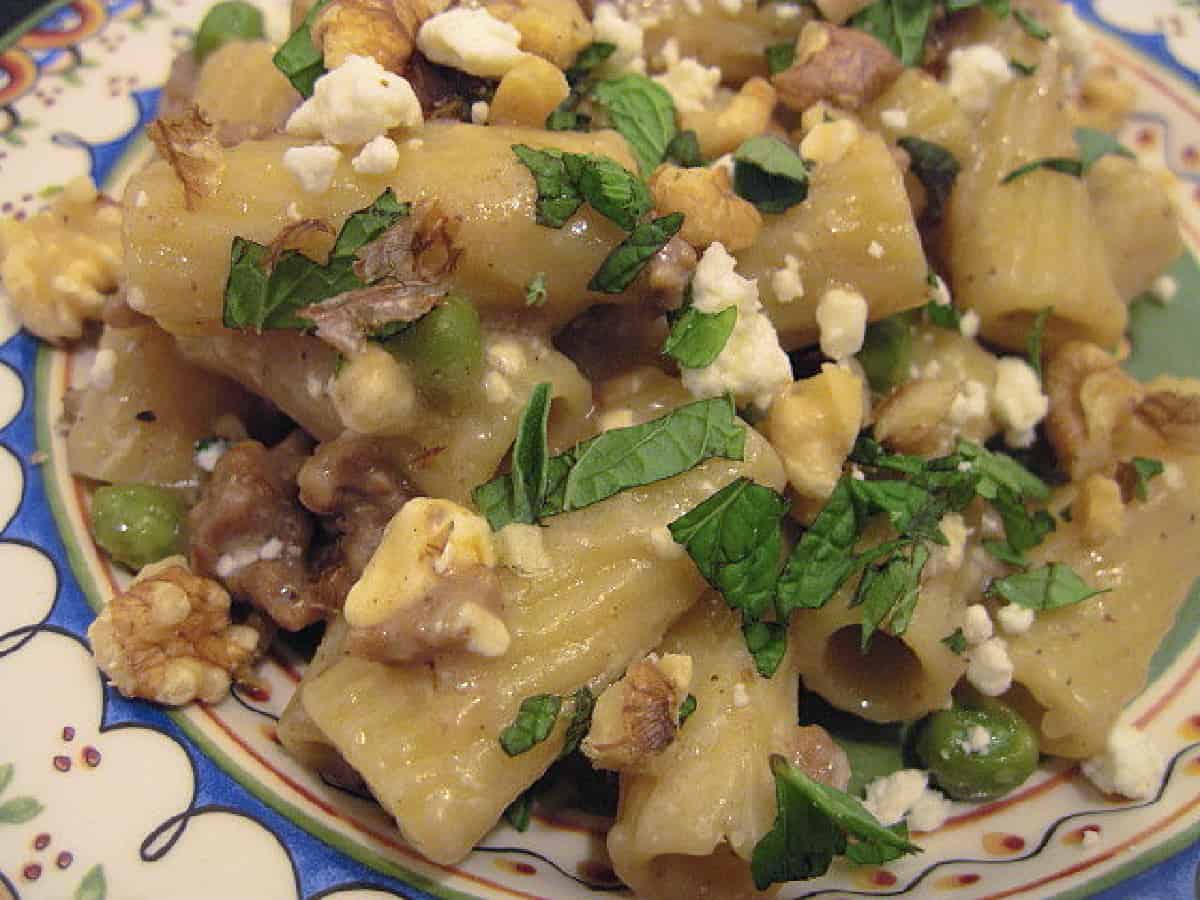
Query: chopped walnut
637, 717
711, 210
168, 637
1091, 399
913, 418
846, 66
812, 427
725, 127
189, 145
555, 30
528, 93
60, 266
429, 585
1174, 416
1099, 509
385, 30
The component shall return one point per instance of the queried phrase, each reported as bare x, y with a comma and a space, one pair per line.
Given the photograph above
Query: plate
101, 797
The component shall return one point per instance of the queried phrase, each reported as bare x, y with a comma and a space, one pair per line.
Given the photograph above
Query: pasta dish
623, 397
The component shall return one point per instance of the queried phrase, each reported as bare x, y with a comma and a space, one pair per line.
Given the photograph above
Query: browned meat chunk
845, 66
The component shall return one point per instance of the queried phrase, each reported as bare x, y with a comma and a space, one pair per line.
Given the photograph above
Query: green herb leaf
558, 194
697, 338
936, 169
686, 708
582, 704
888, 592
517, 813
887, 352
1095, 145
629, 257
1063, 164
567, 120
231, 20
780, 57
1144, 469
1032, 26
1006, 554
299, 59
1025, 69
530, 455
1033, 342
999, 7
824, 557
611, 189
643, 112
535, 290
956, 642
811, 826
734, 537
905, 503
870, 853
6, 776
901, 25
767, 643
770, 174
996, 469
1023, 530
684, 150
19, 810
93, 885
535, 720
1049, 587
588, 59
258, 299
943, 315
623, 458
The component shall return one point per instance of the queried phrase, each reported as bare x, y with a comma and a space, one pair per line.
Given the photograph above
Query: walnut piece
189, 145
60, 266
1174, 416
1099, 509
846, 66
168, 637
555, 30
711, 210
724, 127
913, 418
385, 30
669, 273
528, 93
637, 717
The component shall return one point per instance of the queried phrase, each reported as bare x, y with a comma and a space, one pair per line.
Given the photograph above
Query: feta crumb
1164, 288
506, 356
1130, 765
978, 740
379, 156
1090, 838
965, 466
828, 142
842, 320
968, 324
210, 453
229, 564
1014, 619
975, 74
896, 119
857, 474
356, 102
664, 544
784, 11
956, 532
522, 548
479, 112
608, 26
497, 388
971, 402
691, 85
723, 162
293, 212
1018, 401
940, 291
752, 366
104, 367
313, 166
977, 624
741, 697
141, 200
615, 418
786, 283
472, 41
890, 797
875, 250
1173, 476
930, 812
989, 669
272, 548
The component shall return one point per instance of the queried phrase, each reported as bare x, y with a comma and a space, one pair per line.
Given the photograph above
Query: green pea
886, 352
443, 347
231, 20
965, 773
137, 524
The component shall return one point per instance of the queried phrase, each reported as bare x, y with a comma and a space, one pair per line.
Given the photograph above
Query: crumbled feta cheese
615, 418
691, 85
506, 356
971, 402
229, 564
355, 102
741, 697
977, 624
978, 740
293, 212
104, 367
752, 366
974, 75
1130, 765
608, 26
472, 41
141, 200
379, 156
939, 291
965, 466
1074, 39
479, 112
1164, 288
842, 320
313, 166
896, 119
956, 532
209, 453
989, 669
930, 812
856, 473
272, 548
522, 548
786, 284
828, 142
723, 162
1014, 619
1173, 476
496, 388
890, 797
665, 546
784, 11
875, 250
968, 324
1018, 401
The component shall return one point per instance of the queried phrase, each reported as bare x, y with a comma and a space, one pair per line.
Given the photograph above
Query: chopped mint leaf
767, 643
888, 592
299, 59
629, 257
1033, 343
770, 174
582, 704
1025, 69
1032, 26
588, 59
900, 25
558, 194
611, 189
824, 557
1095, 145
684, 150
686, 708
956, 642
936, 169
643, 112
1144, 469
517, 813
535, 290
697, 338
1049, 587
780, 57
